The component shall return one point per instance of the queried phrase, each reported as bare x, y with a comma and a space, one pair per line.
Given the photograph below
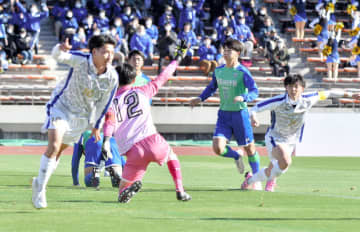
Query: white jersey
83, 94
287, 120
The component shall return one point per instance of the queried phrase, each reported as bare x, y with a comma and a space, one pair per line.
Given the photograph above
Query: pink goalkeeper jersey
129, 116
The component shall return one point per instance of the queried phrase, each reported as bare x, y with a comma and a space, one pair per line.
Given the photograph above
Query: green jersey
232, 82
141, 80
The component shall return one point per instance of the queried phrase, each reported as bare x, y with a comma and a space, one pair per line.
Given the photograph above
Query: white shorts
71, 125
271, 142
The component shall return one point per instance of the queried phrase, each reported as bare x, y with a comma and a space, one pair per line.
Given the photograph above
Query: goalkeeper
129, 120
93, 156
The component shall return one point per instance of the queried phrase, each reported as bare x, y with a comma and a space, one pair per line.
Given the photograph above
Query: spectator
79, 11
104, 5
122, 45
227, 34
117, 7
320, 26
142, 42
89, 25
119, 56
328, 6
220, 24
207, 53
127, 16
265, 32
189, 36
151, 30
18, 19
189, 14
10, 47
259, 19
79, 41
69, 25
59, 12
102, 21
243, 34
23, 46
167, 17
33, 19
166, 44
3, 21
131, 28
279, 59
3, 61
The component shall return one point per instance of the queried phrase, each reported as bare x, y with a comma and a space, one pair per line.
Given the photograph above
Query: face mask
69, 16
168, 28
189, 5
10, 31
102, 15
22, 35
117, 23
96, 33
78, 5
214, 37
262, 12
127, 12
168, 12
33, 10
224, 23
81, 35
207, 42
241, 14
141, 33
148, 24
104, 1
242, 21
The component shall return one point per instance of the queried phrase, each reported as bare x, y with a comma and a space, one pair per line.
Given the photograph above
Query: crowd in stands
152, 27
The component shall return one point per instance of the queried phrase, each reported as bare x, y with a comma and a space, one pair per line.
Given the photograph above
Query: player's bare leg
221, 148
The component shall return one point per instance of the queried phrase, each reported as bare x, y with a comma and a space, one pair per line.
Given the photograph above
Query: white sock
276, 171
56, 164
46, 169
259, 176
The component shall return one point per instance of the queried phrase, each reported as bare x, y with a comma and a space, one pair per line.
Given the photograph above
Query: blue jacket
189, 14
164, 19
3, 20
80, 13
126, 18
104, 6
189, 37
206, 53
152, 32
142, 43
102, 24
33, 21
59, 12
242, 32
72, 23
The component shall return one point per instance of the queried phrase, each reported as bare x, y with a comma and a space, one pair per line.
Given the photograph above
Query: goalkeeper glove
105, 150
180, 51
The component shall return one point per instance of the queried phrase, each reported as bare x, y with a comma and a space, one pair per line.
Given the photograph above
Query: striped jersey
129, 117
287, 120
83, 94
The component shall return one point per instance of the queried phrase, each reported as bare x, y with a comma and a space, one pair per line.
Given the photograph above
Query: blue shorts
235, 123
331, 59
93, 154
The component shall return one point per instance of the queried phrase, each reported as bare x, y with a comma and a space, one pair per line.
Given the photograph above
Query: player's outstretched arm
62, 54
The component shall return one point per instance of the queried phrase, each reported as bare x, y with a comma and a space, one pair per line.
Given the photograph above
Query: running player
288, 112
78, 102
236, 88
129, 120
93, 156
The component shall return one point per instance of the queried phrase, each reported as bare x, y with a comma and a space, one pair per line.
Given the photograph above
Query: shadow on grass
191, 190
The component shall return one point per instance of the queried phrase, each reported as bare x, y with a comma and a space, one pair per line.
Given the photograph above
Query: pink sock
175, 171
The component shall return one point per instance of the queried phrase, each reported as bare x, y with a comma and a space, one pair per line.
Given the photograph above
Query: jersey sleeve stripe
310, 95
272, 100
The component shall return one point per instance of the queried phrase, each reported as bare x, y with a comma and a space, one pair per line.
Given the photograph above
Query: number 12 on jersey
131, 101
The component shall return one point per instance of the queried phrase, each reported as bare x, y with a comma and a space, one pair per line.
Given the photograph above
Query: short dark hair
97, 41
234, 44
292, 79
126, 73
136, 52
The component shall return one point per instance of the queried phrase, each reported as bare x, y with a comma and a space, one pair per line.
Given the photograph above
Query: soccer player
78, 102
288, 112
93, 156
236, 88
129, 120
136, 59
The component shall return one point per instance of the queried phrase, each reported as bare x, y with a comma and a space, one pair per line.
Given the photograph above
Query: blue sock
230, 153
254, 162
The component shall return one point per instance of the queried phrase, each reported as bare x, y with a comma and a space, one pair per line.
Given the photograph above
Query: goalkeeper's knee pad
93, 178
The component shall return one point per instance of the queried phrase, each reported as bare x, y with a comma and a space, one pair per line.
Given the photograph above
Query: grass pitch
316, 194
